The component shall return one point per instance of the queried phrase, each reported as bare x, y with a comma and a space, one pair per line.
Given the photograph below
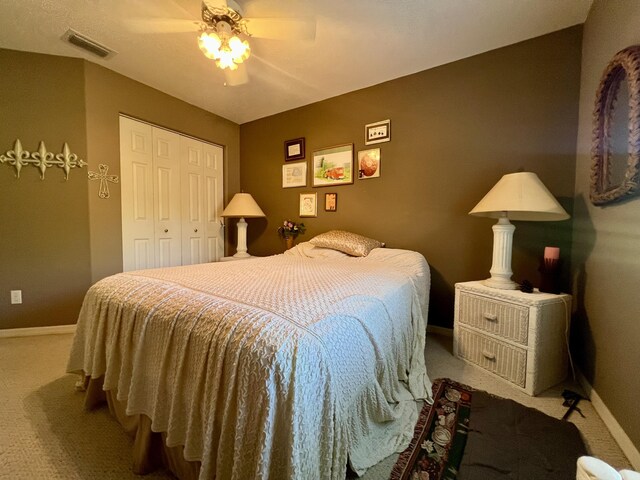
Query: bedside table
517, 336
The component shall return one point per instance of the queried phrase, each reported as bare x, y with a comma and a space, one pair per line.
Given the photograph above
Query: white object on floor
591, 468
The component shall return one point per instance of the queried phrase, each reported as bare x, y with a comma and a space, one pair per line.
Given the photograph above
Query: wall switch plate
16, 297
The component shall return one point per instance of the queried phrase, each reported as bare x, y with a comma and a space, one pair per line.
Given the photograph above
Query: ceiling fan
224, 32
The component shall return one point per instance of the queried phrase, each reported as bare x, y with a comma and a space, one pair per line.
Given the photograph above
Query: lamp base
500, 283
501, 266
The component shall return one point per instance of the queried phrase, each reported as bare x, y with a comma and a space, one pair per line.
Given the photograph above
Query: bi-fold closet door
171, 197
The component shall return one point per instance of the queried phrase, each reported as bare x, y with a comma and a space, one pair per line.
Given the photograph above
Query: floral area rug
435, 452
471, 434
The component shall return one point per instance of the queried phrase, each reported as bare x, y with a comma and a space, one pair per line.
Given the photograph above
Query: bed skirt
150, 450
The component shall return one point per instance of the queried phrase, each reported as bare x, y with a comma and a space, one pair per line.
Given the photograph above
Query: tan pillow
347, 242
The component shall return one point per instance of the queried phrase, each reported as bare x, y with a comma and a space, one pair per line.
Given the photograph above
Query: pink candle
552, 253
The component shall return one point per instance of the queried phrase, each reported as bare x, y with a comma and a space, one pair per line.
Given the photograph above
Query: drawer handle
488, 355
490, 316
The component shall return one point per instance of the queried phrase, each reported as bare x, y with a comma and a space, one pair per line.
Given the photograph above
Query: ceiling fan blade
282, 28
215, 3
194, 7
161, 25
233, 78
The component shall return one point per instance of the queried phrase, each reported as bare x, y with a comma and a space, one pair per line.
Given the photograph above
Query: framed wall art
377, 132
294, 175
333, 166
294, 149
330, 202
369, 163
308, 205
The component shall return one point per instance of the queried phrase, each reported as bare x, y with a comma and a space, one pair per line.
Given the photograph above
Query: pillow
307, 250
347, 242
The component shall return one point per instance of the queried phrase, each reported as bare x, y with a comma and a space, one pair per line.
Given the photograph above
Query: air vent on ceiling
91, 46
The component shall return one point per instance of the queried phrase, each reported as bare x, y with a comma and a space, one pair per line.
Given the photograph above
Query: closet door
202, 233
136, 172
213, 205
166, 198
193, 199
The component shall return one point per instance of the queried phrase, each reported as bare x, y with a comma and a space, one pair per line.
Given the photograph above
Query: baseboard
619, 435
29, 332
436, 330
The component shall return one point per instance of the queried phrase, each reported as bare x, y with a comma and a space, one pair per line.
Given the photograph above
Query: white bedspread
281, 367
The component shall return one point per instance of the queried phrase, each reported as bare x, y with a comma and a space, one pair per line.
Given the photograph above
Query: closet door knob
166, 230
195, 230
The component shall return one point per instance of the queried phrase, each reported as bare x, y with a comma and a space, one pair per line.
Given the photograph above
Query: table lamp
516, 196
242, 205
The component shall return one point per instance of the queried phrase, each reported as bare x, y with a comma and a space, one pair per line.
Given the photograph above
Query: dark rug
469, 434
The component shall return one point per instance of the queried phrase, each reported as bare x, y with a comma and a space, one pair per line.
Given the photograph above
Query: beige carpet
46, 434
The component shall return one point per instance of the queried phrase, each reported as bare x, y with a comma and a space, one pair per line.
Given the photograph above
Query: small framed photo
294, 149
333, 166
369, 163
377, 132
294, 175
308, 205
330, 202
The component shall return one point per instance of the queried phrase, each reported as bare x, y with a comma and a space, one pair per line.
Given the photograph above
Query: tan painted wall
606, 240
107, 95
44, 224
456, 130
58, 237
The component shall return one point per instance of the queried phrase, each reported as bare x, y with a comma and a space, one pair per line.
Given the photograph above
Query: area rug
469, 434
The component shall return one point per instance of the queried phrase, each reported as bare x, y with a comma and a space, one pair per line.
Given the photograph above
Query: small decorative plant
291, 229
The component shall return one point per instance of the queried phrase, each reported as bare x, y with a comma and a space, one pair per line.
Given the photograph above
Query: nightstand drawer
499, 318
498, 357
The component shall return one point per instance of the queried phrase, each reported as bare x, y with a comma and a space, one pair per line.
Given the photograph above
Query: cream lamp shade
516, 196
242, 205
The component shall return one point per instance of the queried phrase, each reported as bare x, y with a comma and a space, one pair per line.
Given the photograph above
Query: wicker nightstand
517, 336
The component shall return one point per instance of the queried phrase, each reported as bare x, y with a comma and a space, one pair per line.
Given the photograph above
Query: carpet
470, 434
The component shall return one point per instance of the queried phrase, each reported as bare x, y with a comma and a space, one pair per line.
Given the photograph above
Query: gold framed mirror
615, 152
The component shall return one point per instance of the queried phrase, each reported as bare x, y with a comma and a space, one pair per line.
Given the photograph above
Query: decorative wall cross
42, 159
103, 192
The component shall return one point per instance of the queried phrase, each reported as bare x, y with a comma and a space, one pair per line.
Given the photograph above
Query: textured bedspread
278, 367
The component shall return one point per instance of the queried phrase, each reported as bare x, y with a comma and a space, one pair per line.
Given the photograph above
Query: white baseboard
619, 435
436, 330
29, 332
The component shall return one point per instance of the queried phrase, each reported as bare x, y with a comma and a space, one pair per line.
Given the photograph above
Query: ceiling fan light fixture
210, 44
240, 49
220, 39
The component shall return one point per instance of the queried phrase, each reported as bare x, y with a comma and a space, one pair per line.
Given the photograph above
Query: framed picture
377, 132
294, 175
308, 205
369, 163
330, 202
294, 149
333, 166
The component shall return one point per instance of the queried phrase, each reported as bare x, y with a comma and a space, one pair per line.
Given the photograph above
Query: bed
284, 367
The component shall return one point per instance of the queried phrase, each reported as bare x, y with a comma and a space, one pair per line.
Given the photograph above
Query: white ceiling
358, 43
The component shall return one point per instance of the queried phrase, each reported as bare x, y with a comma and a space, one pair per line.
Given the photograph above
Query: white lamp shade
243, 205
521, 196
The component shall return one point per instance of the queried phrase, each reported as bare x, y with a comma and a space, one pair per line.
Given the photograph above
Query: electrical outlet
16, 297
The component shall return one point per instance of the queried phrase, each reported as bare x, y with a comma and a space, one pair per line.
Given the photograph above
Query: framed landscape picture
333, 166
294, 149
294, 175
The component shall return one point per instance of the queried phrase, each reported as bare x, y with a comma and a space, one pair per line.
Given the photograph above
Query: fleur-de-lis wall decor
41, 159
